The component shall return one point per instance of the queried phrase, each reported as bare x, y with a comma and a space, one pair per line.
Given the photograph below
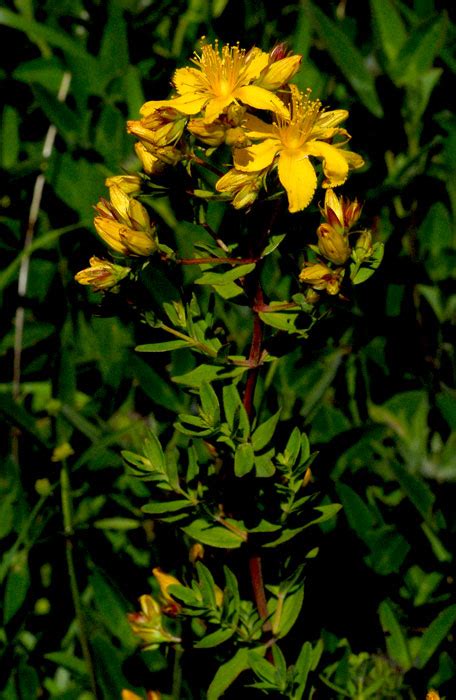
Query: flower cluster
234, 113
334, 249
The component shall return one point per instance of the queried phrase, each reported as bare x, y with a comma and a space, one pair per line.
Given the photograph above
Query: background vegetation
376, 395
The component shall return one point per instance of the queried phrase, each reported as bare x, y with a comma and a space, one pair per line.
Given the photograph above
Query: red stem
219, 261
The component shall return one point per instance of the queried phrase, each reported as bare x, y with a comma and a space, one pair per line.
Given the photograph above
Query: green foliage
110, 469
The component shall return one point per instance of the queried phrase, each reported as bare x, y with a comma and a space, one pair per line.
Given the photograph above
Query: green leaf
358, 275
274, 242
165, 346
418, 53
209, 404
231, 404
396, 642
46, 72
117, 523
263, 669
390, 27
264, 467
215, 638
416, 489
17, 586
222, 278
244, 459
280, 320
56, 37
437, 631
165, 507
68, 661
290, 611
348, 59
154, 452
9, 137
113, 609
227, 674
67, 123
213, 535
264, 433
207, 373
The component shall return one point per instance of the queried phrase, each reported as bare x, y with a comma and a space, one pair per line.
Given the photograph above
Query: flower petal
187, 104
215, 107
335, 164
297, 175
256, 128
256, 157
332, 118
259, 98
256, 61
188, 80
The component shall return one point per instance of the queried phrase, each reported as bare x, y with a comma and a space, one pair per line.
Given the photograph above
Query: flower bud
321, 277
333, 244
130, 184
150, 163
196, 552
211, 134
363, 248
124, 224
281, 68
172, 608
101, 274
340, 214
242, 187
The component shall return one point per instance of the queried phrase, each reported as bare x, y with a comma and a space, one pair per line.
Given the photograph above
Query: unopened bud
101, 274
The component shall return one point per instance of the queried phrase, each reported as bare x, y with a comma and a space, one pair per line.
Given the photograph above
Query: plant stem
215, 261
256, 577
68, 531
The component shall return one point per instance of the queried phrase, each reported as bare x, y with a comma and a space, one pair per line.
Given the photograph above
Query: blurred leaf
435, 634
418, 53
17, 586
396, 642
113, 609
227, 674
39, 31
390, 28
9, 137
347, 58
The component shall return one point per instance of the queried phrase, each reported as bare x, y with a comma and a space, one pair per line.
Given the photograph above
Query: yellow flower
293, 140
219, 79
101, 274
151, 695
321, 277
432, 695
124, 225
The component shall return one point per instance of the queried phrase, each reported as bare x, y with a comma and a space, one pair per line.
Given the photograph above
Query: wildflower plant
252, 166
